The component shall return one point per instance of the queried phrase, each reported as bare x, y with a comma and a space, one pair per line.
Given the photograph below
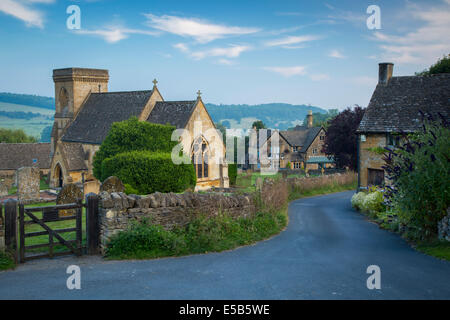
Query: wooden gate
46, 218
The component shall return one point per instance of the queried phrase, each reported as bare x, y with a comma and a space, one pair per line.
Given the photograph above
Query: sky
321, 53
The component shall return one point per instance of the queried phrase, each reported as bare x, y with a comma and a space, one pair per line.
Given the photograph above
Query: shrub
133, 135
6, 261
358, 199
232, 173
130, 190
419, 172
373, 203
148, 172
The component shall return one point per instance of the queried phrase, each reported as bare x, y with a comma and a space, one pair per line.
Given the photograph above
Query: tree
15, 136
321, 119
441, 66
258, 125
341, 139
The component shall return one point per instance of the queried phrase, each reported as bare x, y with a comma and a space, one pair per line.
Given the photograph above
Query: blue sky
300, 52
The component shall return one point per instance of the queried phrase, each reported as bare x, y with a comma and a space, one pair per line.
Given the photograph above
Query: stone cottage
85, 112
394, 108
16, 155
298, 148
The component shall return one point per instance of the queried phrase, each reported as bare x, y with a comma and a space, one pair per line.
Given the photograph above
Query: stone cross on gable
199, 93
154, 82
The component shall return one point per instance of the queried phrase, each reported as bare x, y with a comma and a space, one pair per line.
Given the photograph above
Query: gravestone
70, 193
3, 189
259, 183
28, 184
112, 184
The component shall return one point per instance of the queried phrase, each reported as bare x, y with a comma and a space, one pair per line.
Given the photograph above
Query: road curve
323, 254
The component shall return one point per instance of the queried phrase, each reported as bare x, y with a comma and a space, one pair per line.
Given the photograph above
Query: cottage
85, 112
394, 108
300, 148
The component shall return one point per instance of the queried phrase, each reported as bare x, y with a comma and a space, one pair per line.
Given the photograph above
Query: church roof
16, 155
176, 113
74, 154
395, 107
101, 110
301, 137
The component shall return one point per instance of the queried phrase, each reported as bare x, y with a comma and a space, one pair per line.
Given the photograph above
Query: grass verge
146, 240
438, 249
6, 262
294, 195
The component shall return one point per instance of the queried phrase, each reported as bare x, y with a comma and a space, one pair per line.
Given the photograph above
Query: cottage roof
301, 137
16, 155
395, 107
101, 110
176, 113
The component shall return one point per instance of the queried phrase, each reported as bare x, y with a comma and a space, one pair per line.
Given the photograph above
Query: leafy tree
441, 66
15, 136
46, 134
133, 135
341, 139
419, 173
321, 119
258, 125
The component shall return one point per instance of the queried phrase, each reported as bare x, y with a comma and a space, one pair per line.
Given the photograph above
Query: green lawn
438, 249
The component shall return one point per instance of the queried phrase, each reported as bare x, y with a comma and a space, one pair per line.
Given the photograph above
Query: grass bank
6, 261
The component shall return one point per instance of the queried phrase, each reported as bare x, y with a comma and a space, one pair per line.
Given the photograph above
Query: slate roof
395, 107
301, 137
101, 110
176, 113
74, 154
16, 155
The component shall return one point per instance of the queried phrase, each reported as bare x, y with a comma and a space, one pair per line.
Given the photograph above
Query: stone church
85, 111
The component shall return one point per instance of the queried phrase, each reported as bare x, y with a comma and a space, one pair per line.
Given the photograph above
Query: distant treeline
15, 136
28, 100
23, 115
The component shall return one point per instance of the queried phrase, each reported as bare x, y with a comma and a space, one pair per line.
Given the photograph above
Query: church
85, 112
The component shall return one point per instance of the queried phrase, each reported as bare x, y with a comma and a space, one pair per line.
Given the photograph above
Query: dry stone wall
118, 210
444, 227
2, 232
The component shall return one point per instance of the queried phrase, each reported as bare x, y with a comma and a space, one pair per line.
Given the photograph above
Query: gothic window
199, 157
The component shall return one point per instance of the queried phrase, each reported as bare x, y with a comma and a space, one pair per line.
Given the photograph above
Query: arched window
63, 101
200, 157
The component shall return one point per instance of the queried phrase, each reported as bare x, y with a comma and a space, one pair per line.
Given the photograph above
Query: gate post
11, 227
92, 224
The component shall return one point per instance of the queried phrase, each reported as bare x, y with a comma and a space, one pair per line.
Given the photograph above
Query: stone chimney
310, 119
385, 72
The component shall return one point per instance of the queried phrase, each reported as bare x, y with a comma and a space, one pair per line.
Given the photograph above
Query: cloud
233, 51
336, 54
225, 62
319, 77
423, 45
200, 30
114, 34
22, 11
287, 71
288, 42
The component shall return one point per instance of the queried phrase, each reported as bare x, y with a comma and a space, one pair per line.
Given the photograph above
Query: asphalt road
323, 254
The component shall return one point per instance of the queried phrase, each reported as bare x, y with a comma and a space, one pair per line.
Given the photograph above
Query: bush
419, 172
373, 203
358, 200
232, 173
133, 135
6, 261
148, 172
130, 190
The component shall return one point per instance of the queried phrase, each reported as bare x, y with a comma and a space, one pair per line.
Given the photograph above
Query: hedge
232, 173
148, 172
133, 135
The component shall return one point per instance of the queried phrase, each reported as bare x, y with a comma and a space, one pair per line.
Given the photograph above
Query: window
392, 140
322, 138
375, 177
200, 158
314, 151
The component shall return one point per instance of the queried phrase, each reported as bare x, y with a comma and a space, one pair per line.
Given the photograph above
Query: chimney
310, 119
385, 72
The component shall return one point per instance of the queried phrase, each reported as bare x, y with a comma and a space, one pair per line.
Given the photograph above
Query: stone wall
444, 227
170, 210
2, 233
369, 159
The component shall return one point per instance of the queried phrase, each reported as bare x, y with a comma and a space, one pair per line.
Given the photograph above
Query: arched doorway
200, 157
59, 179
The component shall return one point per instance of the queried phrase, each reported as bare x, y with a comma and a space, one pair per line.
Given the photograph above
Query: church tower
72, 88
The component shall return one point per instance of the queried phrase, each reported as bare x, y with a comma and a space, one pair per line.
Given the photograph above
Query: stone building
394, 108
85, 112
300, 148
16, 155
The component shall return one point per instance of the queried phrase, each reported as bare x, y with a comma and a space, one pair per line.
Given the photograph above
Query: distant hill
28, 99
274, 115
